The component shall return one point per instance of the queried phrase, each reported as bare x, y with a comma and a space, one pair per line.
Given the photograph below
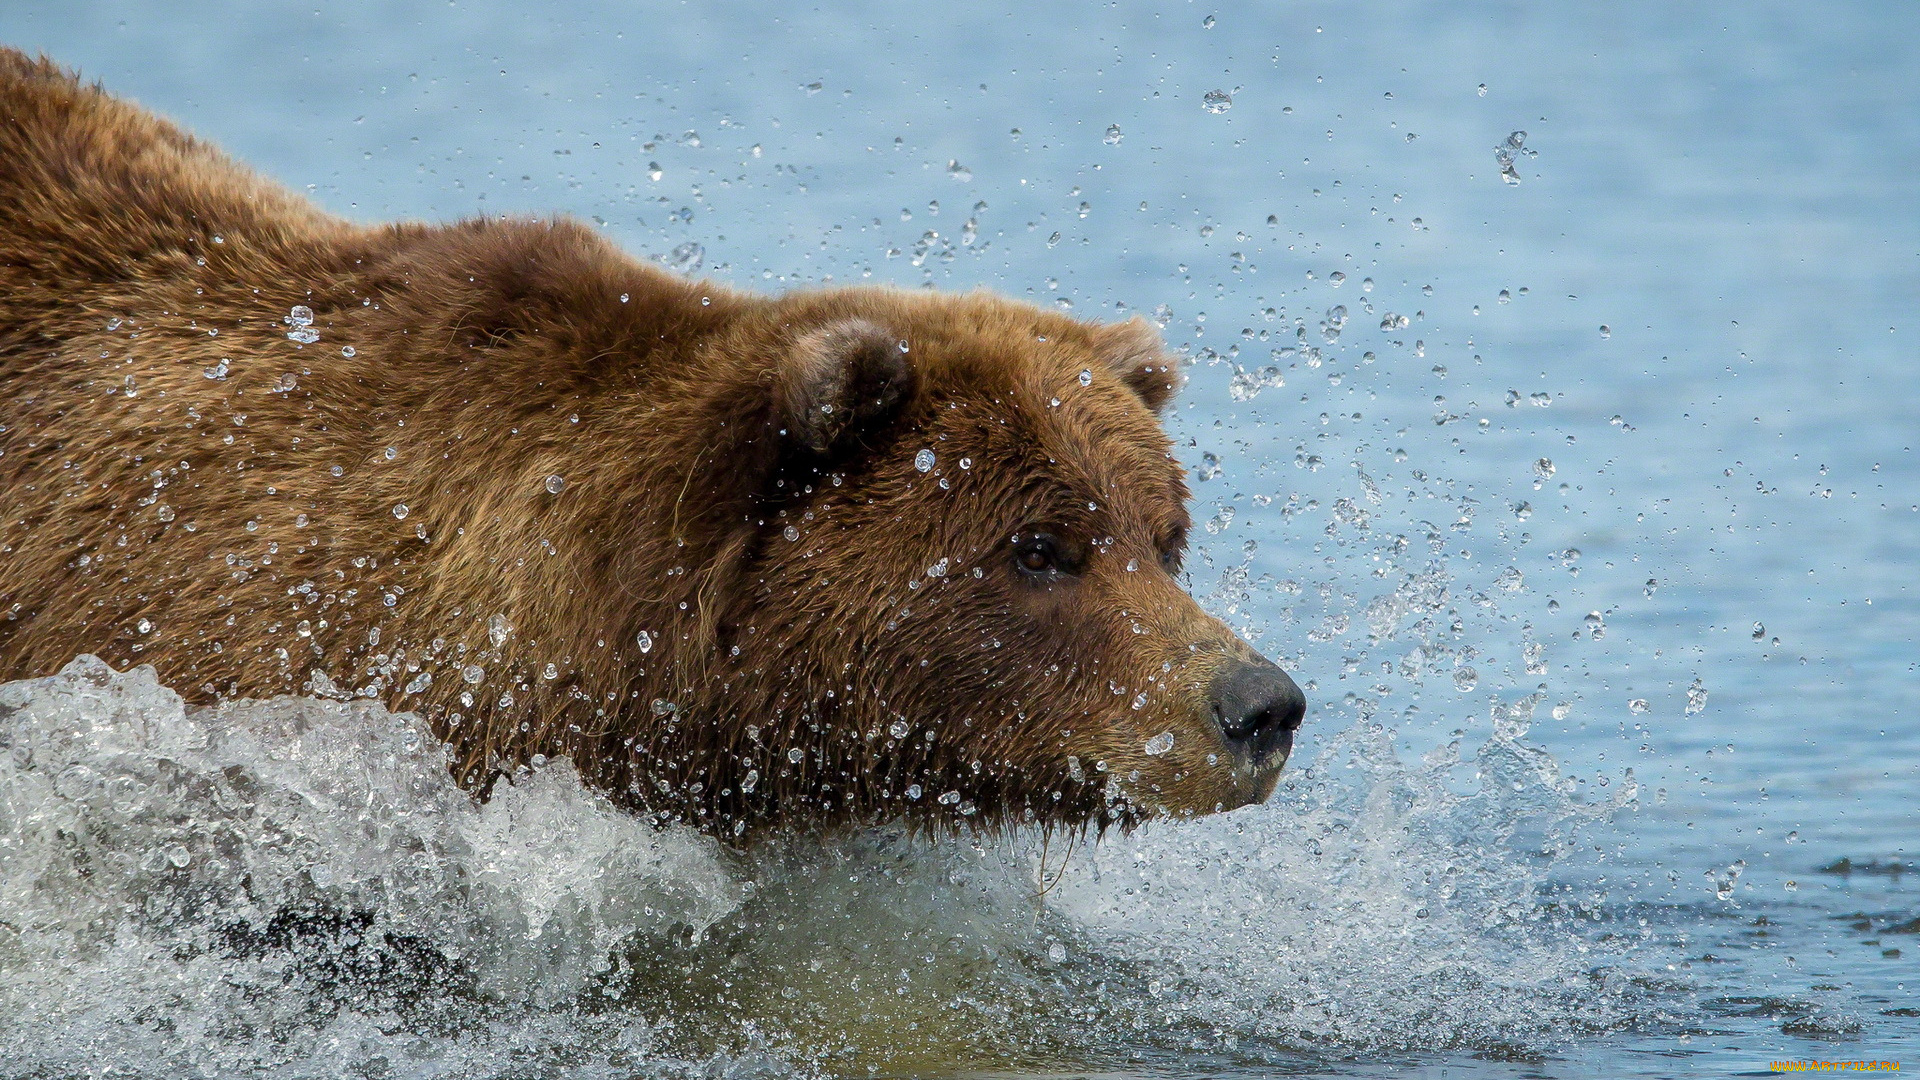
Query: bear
835, 557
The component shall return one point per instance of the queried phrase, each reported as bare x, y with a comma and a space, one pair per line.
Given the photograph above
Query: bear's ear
839, 382
1136, 353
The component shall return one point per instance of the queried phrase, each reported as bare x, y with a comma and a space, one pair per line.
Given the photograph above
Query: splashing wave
276, 887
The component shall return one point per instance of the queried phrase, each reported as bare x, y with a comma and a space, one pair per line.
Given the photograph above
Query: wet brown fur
184, 485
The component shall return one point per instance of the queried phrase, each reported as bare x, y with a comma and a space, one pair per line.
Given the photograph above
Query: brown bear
838, 556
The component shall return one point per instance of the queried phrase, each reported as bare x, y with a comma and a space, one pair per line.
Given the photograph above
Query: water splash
235, 888
283, 886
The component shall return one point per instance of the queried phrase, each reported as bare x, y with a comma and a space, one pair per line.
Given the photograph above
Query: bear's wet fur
836, 556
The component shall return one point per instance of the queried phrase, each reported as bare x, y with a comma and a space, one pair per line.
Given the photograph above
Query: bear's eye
1039, 555
1171, 550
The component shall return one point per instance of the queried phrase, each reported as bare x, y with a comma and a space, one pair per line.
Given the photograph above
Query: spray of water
282, 887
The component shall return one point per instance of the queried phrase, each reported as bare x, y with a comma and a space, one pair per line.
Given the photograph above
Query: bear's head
954, 592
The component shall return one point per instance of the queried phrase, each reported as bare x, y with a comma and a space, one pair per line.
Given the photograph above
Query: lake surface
1552, 414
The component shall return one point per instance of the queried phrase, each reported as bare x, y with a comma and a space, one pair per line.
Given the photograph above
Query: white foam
135, 835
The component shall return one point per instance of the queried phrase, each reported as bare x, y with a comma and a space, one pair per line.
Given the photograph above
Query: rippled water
1587, 503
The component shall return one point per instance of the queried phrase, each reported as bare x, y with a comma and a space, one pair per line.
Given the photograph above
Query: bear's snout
1258, 707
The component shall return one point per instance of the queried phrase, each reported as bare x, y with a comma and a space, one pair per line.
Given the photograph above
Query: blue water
1698, 304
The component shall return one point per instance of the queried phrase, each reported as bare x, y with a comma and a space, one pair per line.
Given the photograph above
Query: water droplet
556, 484
1245, 385
1057, 952
959, 172
163, 512
1534, 656
923, 461
1113, 135
750, 781
1543, 469
300, 322
219, 370
497, 630
938, 569
1207, 23
1465, 679
796, 755
645, 641
145, 626
791, 533
1216, 101
1086, 378
687, 258
1482, 89
1696, 697
1508, 157
913, 792
1638, 705
400, 511
1759, 631
966, 463
1605, 331
474, 674
897, 729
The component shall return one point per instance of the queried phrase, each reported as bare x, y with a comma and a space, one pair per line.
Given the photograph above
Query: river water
1551, 413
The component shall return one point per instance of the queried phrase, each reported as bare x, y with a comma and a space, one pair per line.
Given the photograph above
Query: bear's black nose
1258, 708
